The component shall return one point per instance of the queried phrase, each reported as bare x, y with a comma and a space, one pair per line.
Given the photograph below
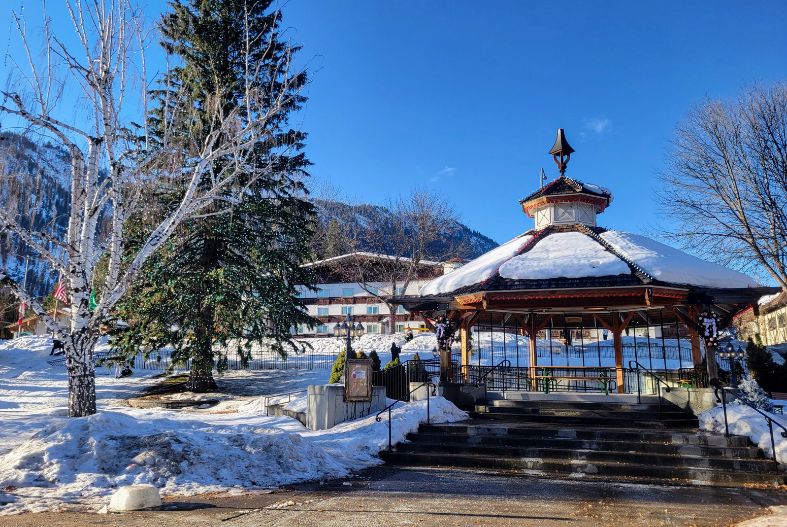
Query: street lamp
733, 356
348, 331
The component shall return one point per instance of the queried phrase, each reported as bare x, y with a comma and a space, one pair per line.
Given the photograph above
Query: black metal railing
501, 366
717, 388
388, 408
634, 365
397, 379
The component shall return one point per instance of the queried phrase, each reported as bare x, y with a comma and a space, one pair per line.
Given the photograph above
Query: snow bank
84, 460
476, 271
668, 264
564, 255
747, 422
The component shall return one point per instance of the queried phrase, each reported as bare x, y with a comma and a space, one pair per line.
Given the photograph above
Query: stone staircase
592, 440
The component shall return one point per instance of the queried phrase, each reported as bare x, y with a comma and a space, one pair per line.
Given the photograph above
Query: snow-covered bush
752, 393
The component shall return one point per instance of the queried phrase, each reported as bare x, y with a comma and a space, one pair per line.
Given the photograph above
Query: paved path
434, 497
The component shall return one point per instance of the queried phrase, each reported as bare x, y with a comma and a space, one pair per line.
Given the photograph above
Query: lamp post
348, 331
733, 356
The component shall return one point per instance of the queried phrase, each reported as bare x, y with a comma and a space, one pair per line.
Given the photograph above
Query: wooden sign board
358, 380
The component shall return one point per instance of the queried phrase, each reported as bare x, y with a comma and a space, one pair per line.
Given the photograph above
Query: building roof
369, 255
575, 256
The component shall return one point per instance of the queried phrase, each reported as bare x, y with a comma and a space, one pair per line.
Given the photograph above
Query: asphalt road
391, 496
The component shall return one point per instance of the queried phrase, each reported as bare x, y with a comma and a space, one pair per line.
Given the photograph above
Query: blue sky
464, 97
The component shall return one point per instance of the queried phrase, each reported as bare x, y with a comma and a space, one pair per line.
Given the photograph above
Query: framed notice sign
358, 381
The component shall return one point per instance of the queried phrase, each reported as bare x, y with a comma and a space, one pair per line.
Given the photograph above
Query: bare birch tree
420, 229
111, 163
727, 181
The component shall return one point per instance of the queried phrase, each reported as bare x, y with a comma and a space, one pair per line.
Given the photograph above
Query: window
322, 328
772, 323
781, 319
399, 291
373, 328
323, 293
372, 310
347, 291
400, 328
322, 311
400, 310
347, 310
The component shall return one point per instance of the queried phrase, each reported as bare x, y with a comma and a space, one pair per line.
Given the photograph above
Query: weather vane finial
561, 151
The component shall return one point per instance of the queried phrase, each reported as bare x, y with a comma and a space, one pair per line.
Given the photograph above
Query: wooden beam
626, 320
603, 323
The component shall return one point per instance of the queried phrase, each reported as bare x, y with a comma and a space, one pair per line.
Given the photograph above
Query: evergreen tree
228, 278
375, 360
338, 368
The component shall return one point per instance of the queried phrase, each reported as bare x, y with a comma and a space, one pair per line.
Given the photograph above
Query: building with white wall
337, 296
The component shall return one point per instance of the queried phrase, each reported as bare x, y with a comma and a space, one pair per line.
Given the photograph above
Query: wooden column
464, 341
694, 335
533, 358
617, 330
618, 327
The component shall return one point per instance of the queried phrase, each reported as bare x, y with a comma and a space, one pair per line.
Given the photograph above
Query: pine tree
229, 276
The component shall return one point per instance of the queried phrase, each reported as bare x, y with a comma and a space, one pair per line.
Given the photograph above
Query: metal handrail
503, 363
768, 418
390, 406
650, 372
268, 398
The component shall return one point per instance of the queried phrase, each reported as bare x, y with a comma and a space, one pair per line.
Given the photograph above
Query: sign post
358, 380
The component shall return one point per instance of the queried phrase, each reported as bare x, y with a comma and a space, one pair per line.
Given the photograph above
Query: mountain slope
339, 222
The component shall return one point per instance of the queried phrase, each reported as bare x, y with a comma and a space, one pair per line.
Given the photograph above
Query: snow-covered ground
48, 461
745, 421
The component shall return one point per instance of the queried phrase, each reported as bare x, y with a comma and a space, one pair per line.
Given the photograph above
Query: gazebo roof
565, 185
578, 256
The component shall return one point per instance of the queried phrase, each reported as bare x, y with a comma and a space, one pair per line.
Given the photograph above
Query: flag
60, 292
22, 309
91, 302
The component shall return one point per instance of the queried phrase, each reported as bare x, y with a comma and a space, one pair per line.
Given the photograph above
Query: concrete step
585, 420
655, 447
614, 471
573, 456
546, 431
572, 396
585, 406
586, 412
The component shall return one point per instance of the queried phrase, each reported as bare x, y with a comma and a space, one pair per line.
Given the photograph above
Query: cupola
565, 201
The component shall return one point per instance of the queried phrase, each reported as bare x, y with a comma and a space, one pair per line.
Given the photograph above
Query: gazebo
570, 305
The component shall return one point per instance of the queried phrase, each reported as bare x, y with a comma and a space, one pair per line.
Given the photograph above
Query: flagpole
24, 288
54, 315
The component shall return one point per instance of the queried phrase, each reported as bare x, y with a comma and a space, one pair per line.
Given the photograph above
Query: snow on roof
477, 270
577, 255
378, 256
564, 255
767, 298
668, 264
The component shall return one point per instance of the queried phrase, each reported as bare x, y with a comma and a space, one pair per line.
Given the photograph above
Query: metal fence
260, 360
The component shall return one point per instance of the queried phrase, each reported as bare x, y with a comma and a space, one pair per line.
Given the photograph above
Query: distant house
33, 325
340, 292
768, 320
